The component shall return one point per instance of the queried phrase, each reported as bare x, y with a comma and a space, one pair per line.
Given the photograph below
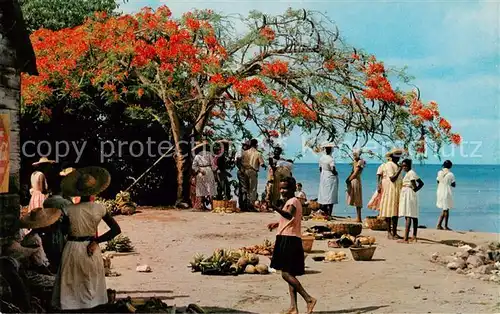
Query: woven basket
313, 205
362, 253
375, 223
227, 206
307, 243
352, 228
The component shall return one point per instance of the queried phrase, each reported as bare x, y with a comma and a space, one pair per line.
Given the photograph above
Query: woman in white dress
81, 281
328, 194
446, 181
390, 188
408, 200
204, 167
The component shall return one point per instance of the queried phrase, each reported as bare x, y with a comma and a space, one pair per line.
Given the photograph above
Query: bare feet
414, 239
390, 237
403, 241
291, 311
447, 229
396, 236
310, 305
439, 228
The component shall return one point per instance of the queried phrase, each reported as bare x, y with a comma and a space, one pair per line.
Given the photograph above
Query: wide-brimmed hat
86, 181
199, 145
331, 145
66, 171
43, 160
40, 218
395, 152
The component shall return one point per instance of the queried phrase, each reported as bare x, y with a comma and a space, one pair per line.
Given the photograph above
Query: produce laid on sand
220, 207
120, 243
318, 215
121, 205
228, 262
347, 241
265, 249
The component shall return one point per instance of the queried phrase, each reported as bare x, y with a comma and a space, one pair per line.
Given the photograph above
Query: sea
476, 196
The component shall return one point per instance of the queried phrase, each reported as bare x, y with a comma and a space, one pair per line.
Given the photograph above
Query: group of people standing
60, 233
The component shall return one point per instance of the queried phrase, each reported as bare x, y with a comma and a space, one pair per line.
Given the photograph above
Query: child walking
408, 200
446, 181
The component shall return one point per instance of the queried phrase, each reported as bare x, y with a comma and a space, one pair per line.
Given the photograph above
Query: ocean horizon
476, 197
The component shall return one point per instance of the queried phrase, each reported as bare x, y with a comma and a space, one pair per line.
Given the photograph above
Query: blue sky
451, 47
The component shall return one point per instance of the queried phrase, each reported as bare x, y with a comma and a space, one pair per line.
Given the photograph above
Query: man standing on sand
242, 182
251, 161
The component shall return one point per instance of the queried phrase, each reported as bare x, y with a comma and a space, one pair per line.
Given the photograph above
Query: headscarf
38, 182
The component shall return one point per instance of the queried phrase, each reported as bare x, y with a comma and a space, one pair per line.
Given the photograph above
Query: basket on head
362, 253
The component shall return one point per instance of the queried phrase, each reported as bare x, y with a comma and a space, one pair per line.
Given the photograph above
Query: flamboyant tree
285, 71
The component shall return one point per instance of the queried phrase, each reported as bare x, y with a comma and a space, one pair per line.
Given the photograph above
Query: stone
494, 256
460, 271
482, 256
485, 278
457, 263
494, 278
464, 255
497, 265
467, 248
447, 259
143, 269
483, 248
474, 261
435, 257
485, 269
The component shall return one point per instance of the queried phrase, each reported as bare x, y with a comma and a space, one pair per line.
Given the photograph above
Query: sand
400, 279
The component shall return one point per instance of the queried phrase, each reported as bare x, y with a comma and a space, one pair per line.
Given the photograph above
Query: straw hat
395, 151
331, 145
40, 217
66, 171
43, 160
199, 145
86, 181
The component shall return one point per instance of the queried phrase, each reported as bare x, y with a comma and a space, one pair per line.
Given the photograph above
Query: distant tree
59, 14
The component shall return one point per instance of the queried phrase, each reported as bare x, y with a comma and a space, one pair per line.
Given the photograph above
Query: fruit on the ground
250, 269
262, 269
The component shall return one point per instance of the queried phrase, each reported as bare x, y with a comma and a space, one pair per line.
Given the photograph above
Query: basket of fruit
223, 206
351, 228
307, 242
375, 223
362, 253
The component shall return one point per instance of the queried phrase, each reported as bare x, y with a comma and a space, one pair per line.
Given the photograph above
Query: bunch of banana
124, 203
120, 243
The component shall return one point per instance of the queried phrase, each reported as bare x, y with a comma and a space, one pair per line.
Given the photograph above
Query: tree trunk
183, 161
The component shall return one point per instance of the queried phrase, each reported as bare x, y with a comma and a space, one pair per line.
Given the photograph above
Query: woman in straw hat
204, 166
354, 187
328, 182
81, 281
390, 187
53, 237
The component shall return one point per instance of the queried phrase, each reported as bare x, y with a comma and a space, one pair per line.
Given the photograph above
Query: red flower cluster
456, 139
379, 88
267, 33
246, 87
275, 68
273, 133
329, 65
444, 124
299, 109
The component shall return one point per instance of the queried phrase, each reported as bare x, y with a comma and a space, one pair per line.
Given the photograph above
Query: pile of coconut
482, 262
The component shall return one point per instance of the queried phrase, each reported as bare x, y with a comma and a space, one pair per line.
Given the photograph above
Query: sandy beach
400, 279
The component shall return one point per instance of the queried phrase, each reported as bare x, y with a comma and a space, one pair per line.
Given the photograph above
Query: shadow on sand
454, 243
354, 310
